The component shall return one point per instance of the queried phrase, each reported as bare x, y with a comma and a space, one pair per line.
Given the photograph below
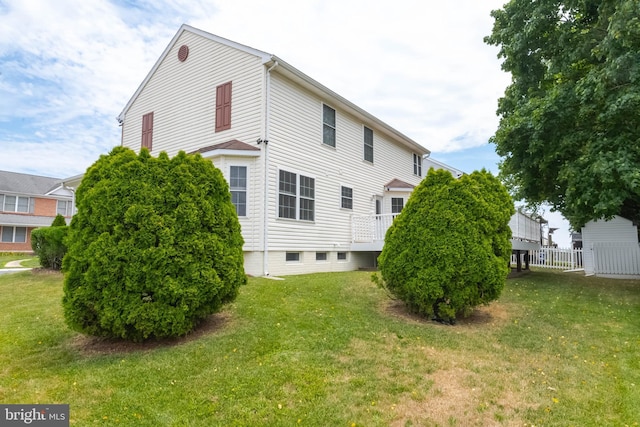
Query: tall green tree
569, 130
154, 248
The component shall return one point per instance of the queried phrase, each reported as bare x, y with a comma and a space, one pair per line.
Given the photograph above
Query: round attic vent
183, 53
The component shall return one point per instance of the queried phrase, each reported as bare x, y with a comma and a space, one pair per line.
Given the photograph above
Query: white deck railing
563, 259
370, 228
524, 227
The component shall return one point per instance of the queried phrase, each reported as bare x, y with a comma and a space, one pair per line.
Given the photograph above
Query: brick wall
45, 207
18, 247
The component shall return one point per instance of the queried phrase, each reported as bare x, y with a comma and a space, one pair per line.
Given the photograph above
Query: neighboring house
28, 202
611, 248
303, 163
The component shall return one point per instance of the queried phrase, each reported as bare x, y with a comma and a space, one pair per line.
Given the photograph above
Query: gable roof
282, 67
234, 144
22, 183
398, 185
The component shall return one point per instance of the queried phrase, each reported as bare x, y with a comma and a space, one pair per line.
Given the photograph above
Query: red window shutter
223, 107
147, 131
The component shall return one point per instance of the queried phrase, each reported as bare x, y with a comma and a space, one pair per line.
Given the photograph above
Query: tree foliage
569, 130
59, 221
449, 248
154, 248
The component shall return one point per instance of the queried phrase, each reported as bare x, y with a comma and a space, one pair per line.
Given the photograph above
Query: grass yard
557, 349
30, 260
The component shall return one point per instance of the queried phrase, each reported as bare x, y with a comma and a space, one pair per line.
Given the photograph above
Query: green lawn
31, 260
557, 349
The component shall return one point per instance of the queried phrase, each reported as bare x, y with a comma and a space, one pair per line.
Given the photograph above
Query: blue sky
67, 68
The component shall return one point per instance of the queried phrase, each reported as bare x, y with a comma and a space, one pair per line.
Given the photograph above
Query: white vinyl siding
619, 230
294, 134
182, 96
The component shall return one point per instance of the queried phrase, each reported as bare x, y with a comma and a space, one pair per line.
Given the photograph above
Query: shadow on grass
97, 346
487, 315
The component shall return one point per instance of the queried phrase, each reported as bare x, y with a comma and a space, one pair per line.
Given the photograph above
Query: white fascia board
233, 153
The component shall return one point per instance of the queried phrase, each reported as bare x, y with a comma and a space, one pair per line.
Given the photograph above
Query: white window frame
392, 205
67, 207
13, 234
298, 196
365, 145
343, 198
333, 126
238, 190
16, 204
297, 255
417, 164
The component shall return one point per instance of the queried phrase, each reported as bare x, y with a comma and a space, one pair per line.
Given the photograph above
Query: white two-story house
312, 175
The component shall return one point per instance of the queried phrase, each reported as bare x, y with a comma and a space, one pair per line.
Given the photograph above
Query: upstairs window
417, 164
16, 203
64, 208
296, 196
328, 126
346, 198
368, 144
147, 131
238, 187
223, 107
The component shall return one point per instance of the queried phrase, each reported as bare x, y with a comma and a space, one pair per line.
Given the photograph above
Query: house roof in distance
13, 182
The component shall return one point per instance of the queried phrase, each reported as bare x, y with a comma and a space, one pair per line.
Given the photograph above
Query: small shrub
154, 247
48, 243
58, 221
449, 248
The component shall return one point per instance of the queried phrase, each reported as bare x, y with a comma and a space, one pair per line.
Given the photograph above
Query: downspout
265, 231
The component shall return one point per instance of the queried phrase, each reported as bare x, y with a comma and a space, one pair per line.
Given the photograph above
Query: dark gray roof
27, 184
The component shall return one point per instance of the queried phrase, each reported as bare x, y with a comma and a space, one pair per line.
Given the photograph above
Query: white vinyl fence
565, 259
613, 259
618, 259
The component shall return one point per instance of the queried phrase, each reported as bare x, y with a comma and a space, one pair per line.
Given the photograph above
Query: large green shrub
154, 248
48, 243
449, 248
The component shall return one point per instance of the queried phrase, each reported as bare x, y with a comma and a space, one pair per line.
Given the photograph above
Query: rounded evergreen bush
449, 248
154, 248
48, 243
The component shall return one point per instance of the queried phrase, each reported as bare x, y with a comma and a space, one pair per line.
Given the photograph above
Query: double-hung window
16, 203
14, 234
368, 144
63, 207
346, 197
417, 164
328, 126
296, 196
397, 203
238, 187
